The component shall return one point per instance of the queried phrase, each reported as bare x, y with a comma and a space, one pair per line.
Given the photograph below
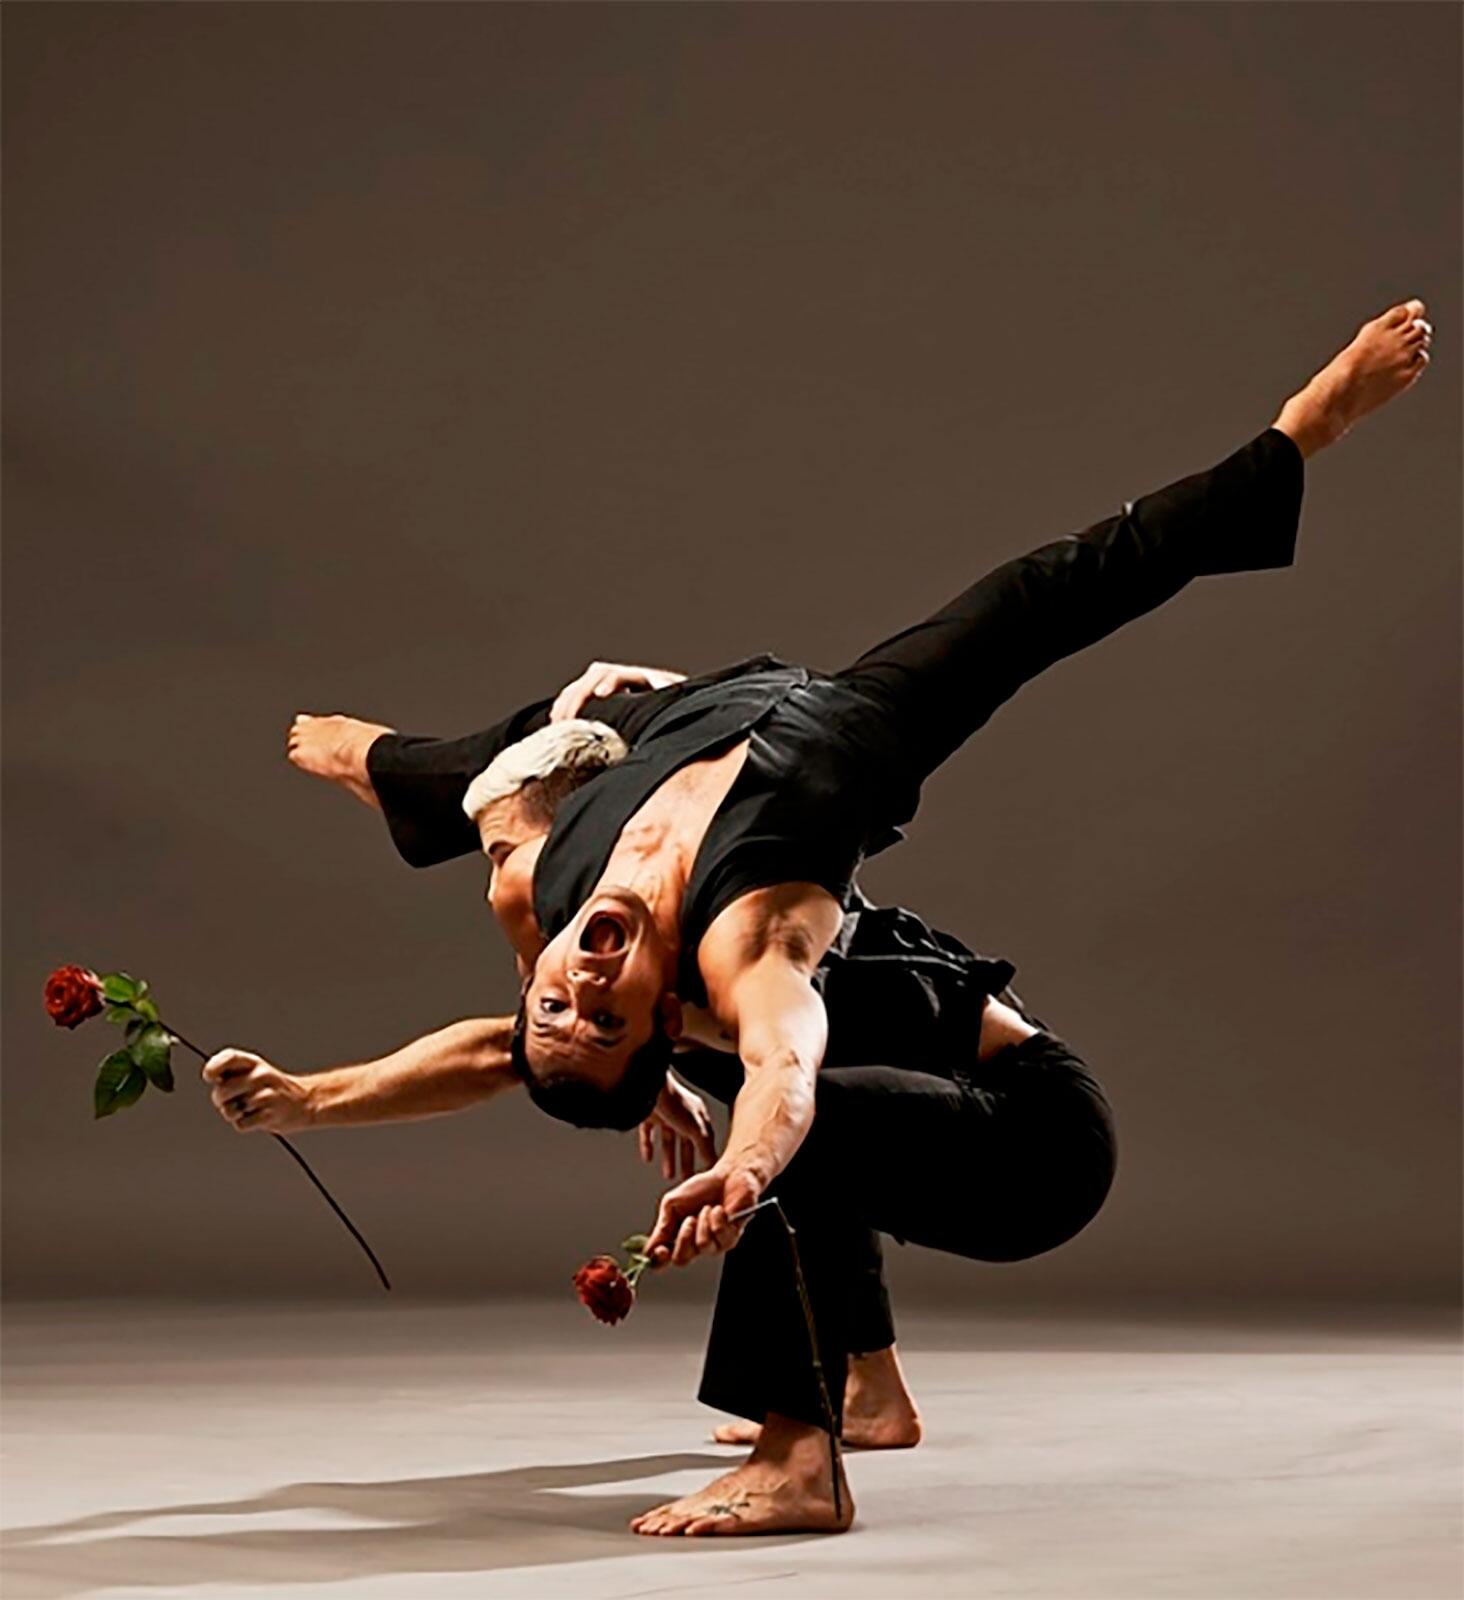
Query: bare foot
783, 1487
1388, 356
879, 1410
335, 748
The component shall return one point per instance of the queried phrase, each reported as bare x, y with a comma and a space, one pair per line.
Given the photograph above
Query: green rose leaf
120, 1081
120, 1014
636, 1244
151, 1052
120, 989
147, 1008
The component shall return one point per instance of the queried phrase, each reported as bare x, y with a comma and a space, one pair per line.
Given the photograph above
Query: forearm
770, 1119
449, 1070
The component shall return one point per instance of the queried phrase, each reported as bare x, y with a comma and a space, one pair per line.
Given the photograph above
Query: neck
650, 863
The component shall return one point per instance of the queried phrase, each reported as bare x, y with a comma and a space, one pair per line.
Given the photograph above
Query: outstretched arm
449, 1070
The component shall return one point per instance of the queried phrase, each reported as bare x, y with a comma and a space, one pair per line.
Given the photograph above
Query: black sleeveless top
803, 809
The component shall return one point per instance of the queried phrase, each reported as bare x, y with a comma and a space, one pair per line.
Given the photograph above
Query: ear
668, 1009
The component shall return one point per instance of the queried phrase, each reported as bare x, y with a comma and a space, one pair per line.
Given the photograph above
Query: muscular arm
449, 1070
781, 1031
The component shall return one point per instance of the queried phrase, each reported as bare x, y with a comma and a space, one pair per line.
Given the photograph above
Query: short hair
546, 766
622, 1106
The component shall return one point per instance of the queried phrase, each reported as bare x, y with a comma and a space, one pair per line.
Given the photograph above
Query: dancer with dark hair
698, 885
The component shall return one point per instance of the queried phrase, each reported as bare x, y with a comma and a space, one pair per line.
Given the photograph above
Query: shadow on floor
471, 1522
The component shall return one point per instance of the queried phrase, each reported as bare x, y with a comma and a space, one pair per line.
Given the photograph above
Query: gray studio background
398, 359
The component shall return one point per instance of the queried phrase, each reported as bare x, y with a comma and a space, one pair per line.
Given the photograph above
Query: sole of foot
1386, 358
334, 748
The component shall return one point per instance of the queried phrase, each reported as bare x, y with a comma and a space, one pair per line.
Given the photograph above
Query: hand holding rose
253, 1096
248, 1091
704, 1215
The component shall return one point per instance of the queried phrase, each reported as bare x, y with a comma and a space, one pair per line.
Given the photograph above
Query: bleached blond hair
560, 757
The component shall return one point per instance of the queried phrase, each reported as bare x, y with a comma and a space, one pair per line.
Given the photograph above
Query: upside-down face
599, 990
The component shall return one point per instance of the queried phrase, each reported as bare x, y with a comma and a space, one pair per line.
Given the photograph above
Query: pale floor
401, 1451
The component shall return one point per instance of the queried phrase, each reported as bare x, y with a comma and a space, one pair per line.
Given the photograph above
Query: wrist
747, 1173
313, 1102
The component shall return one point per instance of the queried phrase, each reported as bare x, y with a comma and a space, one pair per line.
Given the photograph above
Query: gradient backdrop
399, 359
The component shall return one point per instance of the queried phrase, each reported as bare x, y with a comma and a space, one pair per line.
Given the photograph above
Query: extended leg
939, 681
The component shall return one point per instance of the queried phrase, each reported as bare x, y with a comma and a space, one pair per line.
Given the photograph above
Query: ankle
1307, 424
798, 1447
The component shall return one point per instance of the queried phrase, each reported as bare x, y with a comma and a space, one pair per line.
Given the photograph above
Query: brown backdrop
399, 359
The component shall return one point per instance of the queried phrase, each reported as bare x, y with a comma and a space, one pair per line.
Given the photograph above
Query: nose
590, 983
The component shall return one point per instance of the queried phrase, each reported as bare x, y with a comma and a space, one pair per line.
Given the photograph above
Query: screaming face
599, 990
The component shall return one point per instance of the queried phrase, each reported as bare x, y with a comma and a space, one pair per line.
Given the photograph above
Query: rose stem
330, 1200
818, 1371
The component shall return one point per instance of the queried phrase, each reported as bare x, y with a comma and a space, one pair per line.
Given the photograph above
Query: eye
605, 1019
550, 1005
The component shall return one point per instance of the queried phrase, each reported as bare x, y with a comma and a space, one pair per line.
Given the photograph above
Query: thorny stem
330, 1199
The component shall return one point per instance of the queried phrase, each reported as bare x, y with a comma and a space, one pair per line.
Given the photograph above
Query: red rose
605, 1289
72, 995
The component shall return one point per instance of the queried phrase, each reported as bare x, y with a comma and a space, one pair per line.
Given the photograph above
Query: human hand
685, 1126
602, 678
252, 1095
696, 1217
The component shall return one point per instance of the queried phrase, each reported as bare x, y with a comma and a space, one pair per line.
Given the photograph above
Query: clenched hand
253, 1095
695, 1218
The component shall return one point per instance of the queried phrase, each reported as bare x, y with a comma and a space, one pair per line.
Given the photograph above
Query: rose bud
604, 1289
72, 995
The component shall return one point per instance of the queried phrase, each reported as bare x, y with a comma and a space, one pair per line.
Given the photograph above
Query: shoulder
785, 928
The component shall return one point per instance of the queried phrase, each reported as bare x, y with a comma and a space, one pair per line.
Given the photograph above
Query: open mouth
603, 934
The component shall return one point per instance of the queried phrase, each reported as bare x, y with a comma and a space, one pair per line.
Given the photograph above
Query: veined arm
449, 1070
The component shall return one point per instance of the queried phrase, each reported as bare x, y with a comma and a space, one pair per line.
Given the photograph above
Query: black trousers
1001, 1160
924, 691
939, 681
996, 1161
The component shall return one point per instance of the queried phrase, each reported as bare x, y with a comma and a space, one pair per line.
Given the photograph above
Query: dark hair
623, 1105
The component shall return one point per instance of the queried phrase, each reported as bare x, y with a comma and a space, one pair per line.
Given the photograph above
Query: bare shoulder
794, 921
782, 929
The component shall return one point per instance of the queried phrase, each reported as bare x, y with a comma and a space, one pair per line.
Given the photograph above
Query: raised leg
937, 682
